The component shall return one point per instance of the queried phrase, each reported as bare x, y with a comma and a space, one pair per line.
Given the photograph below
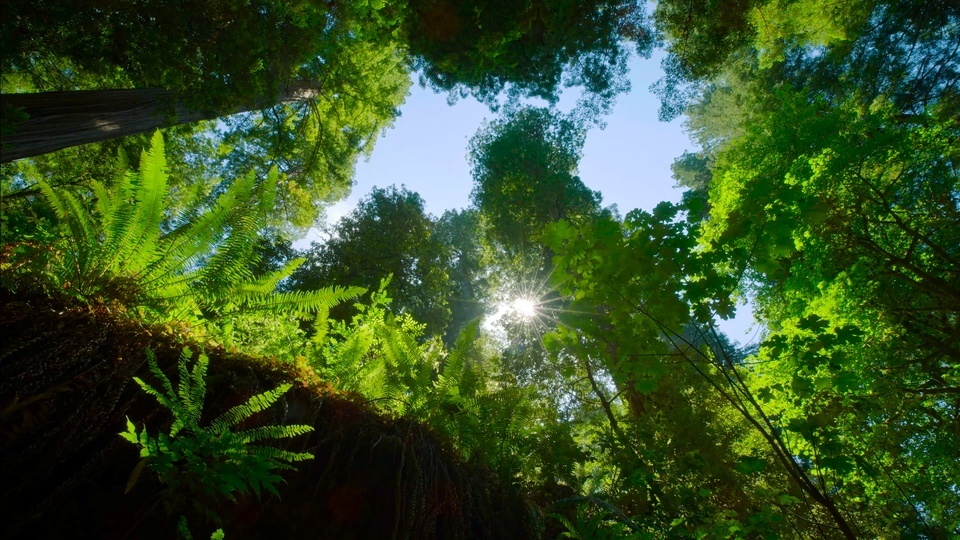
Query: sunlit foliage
570, 354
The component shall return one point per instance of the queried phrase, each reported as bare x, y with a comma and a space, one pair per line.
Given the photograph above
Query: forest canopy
534, 357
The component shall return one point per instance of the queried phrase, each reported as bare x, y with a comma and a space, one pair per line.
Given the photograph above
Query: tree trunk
57, 120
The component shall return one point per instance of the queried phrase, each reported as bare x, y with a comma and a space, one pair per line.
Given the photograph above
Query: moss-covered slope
66, 387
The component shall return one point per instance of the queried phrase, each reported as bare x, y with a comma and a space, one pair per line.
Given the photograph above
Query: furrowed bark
58, 120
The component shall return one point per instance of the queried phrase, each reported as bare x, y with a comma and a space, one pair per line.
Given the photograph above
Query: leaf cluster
202, 464
194, 267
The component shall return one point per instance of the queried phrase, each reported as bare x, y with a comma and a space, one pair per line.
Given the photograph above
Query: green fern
199, 272
203, 464
183, 531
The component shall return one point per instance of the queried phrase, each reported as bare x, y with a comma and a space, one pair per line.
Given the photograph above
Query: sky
426, 150
628, 161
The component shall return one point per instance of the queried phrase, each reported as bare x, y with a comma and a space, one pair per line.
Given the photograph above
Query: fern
183, 531
454, 367
198, 272
198, 462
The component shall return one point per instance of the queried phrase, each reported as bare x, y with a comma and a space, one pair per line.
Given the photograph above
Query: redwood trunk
58, 120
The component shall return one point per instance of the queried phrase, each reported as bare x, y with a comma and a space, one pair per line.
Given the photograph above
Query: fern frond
198, 386
278, 454
346, 361
183, 389
267, 283
160, 396
166, 399
186, 246
272, 432
69, 210
116, 242
321, 325
268, 192
453, 368
229, 265
301, 302
83, 232
188, 415
253, 405
105, 202
150, 197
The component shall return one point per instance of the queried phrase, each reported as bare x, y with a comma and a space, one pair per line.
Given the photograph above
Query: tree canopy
388, 236
532, 365
524, 170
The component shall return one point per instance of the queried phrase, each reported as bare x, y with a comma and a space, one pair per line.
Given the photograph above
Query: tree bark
58, 120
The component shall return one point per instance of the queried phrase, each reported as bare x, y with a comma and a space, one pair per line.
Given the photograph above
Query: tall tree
313, 140
837, 227
461, 232
846, 241
906, 50
524, 170
483, 47
645, 301
287, 50
387, 234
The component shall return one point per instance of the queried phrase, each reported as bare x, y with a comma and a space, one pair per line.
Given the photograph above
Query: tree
838, 228
846, 242
388, 234
288, 49
56, 120
906, 50
313, 140
641, 318
196, 74
486, 46
190, 48
461, 232
524, 170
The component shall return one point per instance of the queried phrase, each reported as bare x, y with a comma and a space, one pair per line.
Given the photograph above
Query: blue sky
628, 161
426, 150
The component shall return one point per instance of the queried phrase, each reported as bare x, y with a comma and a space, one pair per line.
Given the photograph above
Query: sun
524, 307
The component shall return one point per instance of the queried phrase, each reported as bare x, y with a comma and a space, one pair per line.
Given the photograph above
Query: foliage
854, 259
196, 270
895, 47
315, 144
824, 189
483, 47
386, 360
524, 169
183, 530
631, 338
458, 231
198, 464
198, 54
389, 233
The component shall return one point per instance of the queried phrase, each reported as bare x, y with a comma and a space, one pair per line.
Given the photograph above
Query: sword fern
204, 463
198, 271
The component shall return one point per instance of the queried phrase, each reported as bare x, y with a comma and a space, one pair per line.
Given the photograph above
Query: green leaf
848, 335
813, 323
751, 465
802, 386
645, 385
839, 464
845, 381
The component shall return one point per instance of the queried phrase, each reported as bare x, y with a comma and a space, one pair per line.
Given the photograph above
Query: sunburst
525, 308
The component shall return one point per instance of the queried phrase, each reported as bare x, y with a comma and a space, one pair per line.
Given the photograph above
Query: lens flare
525, 307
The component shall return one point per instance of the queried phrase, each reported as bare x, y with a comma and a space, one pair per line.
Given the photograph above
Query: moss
66, 386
